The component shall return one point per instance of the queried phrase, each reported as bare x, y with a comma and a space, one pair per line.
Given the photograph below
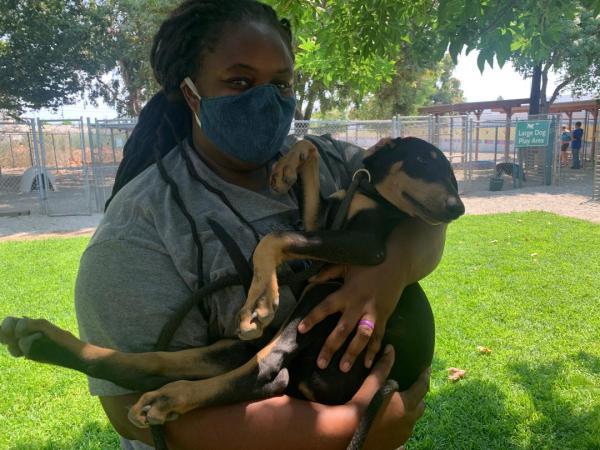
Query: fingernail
388, 349
322, 363
345, 366
301, 327
368, 363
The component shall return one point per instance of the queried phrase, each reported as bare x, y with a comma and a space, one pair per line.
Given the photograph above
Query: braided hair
190, 32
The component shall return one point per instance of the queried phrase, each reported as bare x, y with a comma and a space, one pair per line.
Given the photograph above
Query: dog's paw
284, 172
39, 340
163, 405
19, 334
255, 318
260, 307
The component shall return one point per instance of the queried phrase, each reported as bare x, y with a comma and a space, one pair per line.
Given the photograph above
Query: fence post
84, 166
112, 144
496, 148
583, 151
430, 128
37, 165
451, 135
54, 150
99, 148
29, 147
470, 148
45, 180
94, 164
12, 156
70, 147
549, 159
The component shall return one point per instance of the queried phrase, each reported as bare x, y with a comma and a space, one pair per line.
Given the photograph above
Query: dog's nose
455, 207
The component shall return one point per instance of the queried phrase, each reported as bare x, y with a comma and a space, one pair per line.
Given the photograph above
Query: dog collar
361, 173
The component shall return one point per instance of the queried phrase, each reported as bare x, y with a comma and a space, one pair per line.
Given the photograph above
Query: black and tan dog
511, 169
407, 177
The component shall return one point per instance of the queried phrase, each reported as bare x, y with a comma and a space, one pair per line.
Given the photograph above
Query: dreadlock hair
190, 32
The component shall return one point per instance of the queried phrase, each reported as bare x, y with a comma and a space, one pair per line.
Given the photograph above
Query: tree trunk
544, 105
534, 96
133, 105
312, 95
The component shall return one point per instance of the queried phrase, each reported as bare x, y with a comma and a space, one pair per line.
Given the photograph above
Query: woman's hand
398, 415
367, 298
370, 293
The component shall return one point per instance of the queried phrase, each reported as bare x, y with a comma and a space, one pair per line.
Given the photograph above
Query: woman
154, 247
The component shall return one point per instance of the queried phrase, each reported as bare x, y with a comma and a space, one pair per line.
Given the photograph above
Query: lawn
525, 285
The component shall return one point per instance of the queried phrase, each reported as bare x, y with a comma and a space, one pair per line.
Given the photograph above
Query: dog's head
417, 178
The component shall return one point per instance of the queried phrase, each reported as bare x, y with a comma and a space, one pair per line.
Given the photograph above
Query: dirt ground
567, 200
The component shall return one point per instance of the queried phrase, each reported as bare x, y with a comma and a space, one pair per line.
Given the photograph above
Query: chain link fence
17, 162
68, 167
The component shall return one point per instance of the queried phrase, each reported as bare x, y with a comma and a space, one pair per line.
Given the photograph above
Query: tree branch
558, 89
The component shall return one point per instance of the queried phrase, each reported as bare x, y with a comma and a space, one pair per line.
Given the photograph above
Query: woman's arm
414, 249
285, 422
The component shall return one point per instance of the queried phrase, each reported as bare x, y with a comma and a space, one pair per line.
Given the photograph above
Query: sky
494, 82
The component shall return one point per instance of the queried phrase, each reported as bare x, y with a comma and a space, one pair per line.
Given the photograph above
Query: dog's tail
364, 426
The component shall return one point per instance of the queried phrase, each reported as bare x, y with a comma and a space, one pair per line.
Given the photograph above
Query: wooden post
570, 116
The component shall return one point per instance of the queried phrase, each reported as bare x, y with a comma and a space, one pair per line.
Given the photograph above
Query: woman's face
246, 55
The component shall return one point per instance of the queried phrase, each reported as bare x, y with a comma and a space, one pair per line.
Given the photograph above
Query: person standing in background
577, 137
565, 140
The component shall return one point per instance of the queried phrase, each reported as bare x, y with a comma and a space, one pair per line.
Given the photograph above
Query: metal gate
17, 158
44, 168
65, 184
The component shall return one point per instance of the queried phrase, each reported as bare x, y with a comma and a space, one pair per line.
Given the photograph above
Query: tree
410, 88
531, 32
50, 51
574, 58
347, 49
448, 89
132, 25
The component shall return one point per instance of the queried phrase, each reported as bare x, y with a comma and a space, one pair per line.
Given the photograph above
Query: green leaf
481, 61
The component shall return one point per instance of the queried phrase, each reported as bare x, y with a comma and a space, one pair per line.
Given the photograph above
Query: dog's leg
264, 375
342, 247
302, 160
41, 341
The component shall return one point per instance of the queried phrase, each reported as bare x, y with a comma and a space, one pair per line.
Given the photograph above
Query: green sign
532, 133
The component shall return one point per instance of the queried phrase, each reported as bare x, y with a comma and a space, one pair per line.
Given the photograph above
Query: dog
407, 177
510, 169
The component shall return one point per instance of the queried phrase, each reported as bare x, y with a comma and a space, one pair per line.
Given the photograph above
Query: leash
360, 435
243, 276
243, 267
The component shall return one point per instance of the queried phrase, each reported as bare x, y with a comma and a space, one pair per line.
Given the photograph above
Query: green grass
525, 285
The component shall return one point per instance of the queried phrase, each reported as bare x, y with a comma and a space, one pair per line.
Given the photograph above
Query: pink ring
367, 323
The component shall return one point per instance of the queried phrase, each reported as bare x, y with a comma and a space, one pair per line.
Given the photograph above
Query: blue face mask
250, 126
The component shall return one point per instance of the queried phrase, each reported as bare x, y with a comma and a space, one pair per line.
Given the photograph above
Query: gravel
567, 200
